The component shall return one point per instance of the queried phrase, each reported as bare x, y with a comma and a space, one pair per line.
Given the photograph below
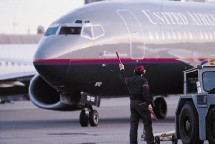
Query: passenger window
211, 35
70, 30
202, 36
151, 37
179, 35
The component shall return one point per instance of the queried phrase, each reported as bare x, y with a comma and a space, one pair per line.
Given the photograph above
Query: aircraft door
137, 47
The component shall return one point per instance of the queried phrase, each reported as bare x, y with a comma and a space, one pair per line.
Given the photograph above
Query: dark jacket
138, 87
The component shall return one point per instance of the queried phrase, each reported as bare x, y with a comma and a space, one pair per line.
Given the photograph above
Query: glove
150, 107
121, 66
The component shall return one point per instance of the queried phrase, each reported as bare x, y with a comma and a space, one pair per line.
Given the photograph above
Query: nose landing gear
88, 116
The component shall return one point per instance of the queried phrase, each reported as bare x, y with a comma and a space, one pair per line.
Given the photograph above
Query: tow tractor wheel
157, 140
188, 125
94, 118
84, 119
210, 126
174, 140
160, 107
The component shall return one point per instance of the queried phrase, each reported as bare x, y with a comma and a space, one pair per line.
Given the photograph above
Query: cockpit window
209, 81
78, 21
92, 31
51, 31
97, 31
70, 30
87, 32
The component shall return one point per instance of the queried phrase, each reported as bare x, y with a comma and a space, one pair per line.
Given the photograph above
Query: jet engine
44, 96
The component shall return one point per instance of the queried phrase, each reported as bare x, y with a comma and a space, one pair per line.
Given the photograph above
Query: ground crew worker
140, 102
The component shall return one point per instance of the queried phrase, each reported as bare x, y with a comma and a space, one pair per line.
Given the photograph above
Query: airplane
76, 58
16, 69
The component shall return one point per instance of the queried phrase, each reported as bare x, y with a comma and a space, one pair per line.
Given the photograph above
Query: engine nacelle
44, 96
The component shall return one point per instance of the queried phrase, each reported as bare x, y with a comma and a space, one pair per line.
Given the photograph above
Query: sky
24, 16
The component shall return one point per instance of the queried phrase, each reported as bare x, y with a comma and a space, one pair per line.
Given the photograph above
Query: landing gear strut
88, 116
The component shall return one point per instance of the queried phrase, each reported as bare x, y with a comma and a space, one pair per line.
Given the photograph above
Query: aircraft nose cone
51, 63
53, 71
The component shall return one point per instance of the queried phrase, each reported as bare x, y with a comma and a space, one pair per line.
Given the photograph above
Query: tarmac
23, 123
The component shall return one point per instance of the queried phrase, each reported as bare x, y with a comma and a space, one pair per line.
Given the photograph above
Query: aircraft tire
94, 118
189, 125
160, 107
84, 119
210, 126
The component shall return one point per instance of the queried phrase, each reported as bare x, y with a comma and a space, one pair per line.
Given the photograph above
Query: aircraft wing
16, 83
18, 61
15, 75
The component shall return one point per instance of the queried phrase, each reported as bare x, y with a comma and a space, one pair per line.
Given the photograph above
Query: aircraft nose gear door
137, 47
